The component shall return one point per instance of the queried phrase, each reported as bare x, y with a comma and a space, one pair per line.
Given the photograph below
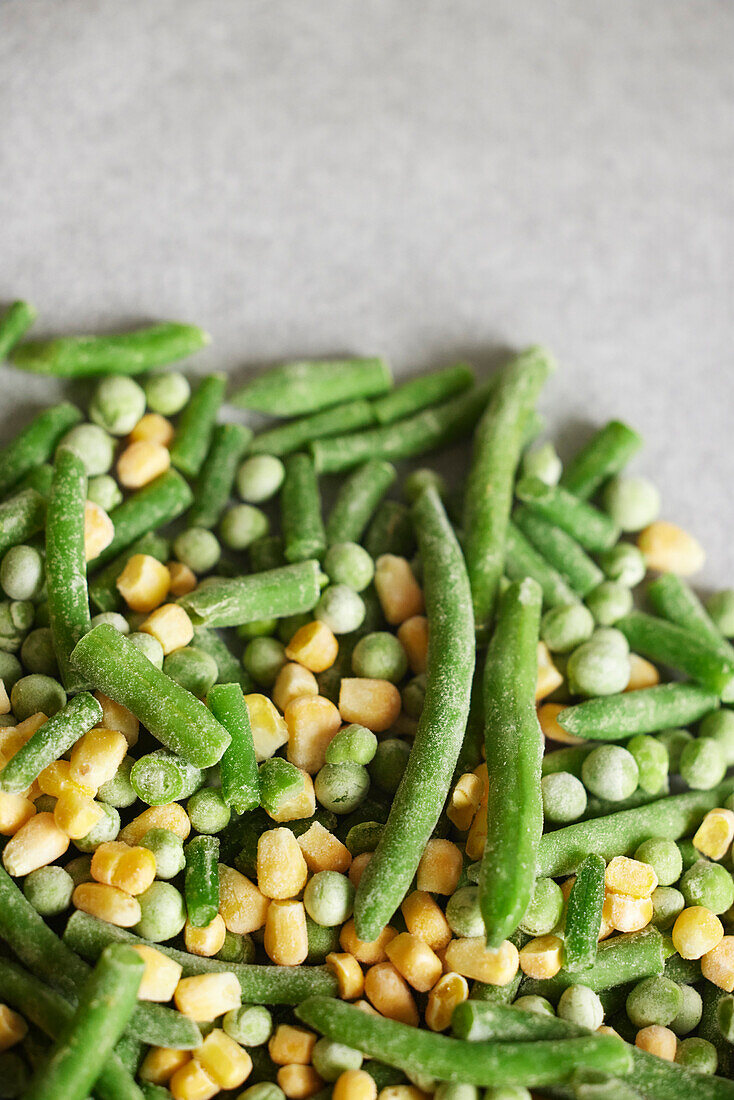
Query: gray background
419, 178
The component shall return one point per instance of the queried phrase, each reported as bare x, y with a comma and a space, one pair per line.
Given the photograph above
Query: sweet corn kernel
643, 674
314, 646
160, 1064
403, 1092
13, 1028
348, 975
415, 961
625, 913
312, 722
286, 935
357, 869
464, 801
413, 636
630, 876
152, 428
399, 593
205, 941
354, 1084
76, 813
696, 931
552, 731
269, 731
542, 957
604, 1029
96, 757
117, 717
192, 1082
388, 991
37, 843
323, 851
669, 549
292, 682
717, 965
549, 678
281, 868
477, 835
182, 579
425, 919
366, 1007
448, 992
242, 906
99, 530
299, 805
367, 953
173, 817
715, 834
56, 778
25, 730
291, 1045
15, 810
170, 625
144, 583
161, 974
657, 1040
372, 703
440, 867
107, 903
206, 996
472, 958
142, 462
117, 864
4, 699
224, 1060
299, 1082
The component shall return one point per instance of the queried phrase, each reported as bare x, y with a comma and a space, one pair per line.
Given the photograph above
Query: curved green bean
35, 443
123, 353
156, 504
196, 424
217, 474
221, 601
607, 452
357, 499
293, 436
592, 529
675, 600
613, 717
294, 389
422, 392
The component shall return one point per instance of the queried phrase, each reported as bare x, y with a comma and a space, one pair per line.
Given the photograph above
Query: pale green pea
463, 912
263, 658
663, 856
340, 608
702, 764
609, 601
544, 911
249, 1025
259, 478
580, 1005
22, 573
149, 645
94, 446
117, 404
719, 726
167, 393
651, 757
565, 628
720, 607
104, 491
667, 904
198, 548
241, 525
610, 772
119, 791
349, 563
624, 563
113, 618
542, 461
163, 912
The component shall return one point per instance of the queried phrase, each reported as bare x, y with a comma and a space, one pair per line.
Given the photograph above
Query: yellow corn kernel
448, 992
170, 625
161, 974
605, 925
604, 1029
715, 834
299, 1082
348, 975
15, 810
289, 1045
549, 678
205, 941
299, 805
13, 1028
366, 1007
281, 868
173, 817
117, 864
269, 731
312, 722
144, 583
657, 1040
25, 730
182, 579
314, 646
192, 1082
96, 757
643, 674
630, 876
367, 953
696, 931
399, 593
354, 1084
440, 866
472, 958
160, 1064
717, 965
107, 903
372, 703
206, 996
142, 462
357, 868
117, 717
669, 549
388, 991
626, 913
425, 919
292, 682
76, 813
152, 428
323, 851
4, 699
413, 636
224, 1060
477, 835
242, 906
286, 936
403, 1092
56, 778
99, 530
552, 731
37, 843
415, 961
464, 801
542, 957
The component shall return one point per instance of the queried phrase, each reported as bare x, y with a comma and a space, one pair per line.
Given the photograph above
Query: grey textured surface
425, 179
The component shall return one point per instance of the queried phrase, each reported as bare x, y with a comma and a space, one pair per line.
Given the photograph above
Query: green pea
380, 656
544, 911
104, 491
163, 912
264, 1091
674, 740
651, 757
624, 563
580, 1005
114, 619
322, 940
198, 548
341, 608
250, 1025
353, 744
697, 1054
259, 478
565, 628
117, 404
597, 668
667, 904
241, 525
654, 1001
663, 856
389, 763
80, 869
610, 772
11, 670
16, 619
632, 502
35, 693
342, 787
331, 1059
329, 898
564, 797
22, 573
708, 884
264, 658
207, 810
193, 669
167, 393
689, 1015
542, 461
260, 628
289, 624
463, 912
149, 645
38, 654
168, 850
608, 602
702, 764
541, 1006
94, 446
413, 696
49, 890
720, 607
236, 948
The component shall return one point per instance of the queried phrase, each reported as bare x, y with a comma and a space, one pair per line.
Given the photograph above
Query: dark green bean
523, 560
607, 452
289, 590
196, 424
391, 531
583, 915
238, 767
300, 510
21, 517
294, 389
54, 738
671, 645
214, 483
293, 436
35, 443
592, 529
422, 392
124, 353
560, 550
156, 504
612, 717
202, 880
357, 500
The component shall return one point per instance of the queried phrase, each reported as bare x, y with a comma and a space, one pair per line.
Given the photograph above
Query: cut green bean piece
673, 646
606, 454
300, 510
50, 741
290, 590
612, 717
294, 435
391, 531
230, 670
124, 353
39, 478
103, 591
675, 600
422, 392
357, 500
156, 504
294, 389
173, 715
561, 551
14, 323
583, 915
215, 481
36, 443
196, 424
628, 957
161, 777
592, 529
202, 880
238, 767
523, 560
21, 517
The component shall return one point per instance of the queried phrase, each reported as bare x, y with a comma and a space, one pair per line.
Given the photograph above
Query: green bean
294, 389
266, 553
607, 452
488, 495
425, 431
725, 1016
196, 424
676, 601
514, 749
268, 985
470, 754
628, 957
175, 717
391, 531
66, 565
592, 529
35, 443
583, 915
238, 767
39, 478
156, 504
414, 1051
202, 880
560, 550
523, 560
422, 392
21, 516
122, 353
612, 717
230, 670
357, 500
300, 510
422, 792
710, 1027
54, 738
103, 586
161, 777
562, 852
216, 478
14, 323
671, 645
289, 590
294, 435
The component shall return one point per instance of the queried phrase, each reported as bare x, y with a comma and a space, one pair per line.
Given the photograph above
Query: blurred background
422, 179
